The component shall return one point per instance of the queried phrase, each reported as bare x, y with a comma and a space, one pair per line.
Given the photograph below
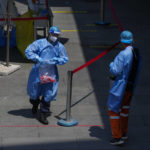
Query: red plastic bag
46, 79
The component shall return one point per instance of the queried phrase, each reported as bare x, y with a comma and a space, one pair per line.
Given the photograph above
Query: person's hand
111, 64
40, 60
55, 60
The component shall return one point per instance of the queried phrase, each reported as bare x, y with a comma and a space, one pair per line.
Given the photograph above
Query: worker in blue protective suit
46, 53
124, 71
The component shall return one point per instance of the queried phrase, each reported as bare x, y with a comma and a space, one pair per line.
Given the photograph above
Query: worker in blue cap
124, 71
42, 86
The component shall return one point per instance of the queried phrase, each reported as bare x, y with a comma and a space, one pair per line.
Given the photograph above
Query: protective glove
55, 60
111, 64
40, 60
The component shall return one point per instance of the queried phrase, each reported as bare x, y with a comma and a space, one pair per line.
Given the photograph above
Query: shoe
124, 137
35, 104
43, 118
116, 141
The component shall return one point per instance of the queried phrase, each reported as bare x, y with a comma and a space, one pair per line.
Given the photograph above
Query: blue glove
40, 60
111, 64
55, 59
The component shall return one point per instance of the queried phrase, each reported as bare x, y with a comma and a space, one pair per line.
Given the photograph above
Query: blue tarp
3, 38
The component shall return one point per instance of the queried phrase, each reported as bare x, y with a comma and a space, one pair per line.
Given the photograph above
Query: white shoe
124, 137
116, 141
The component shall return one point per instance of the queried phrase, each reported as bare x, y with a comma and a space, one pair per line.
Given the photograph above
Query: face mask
53, 38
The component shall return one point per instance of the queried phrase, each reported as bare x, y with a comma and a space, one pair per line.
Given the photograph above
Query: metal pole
50, 14
68, 121
8, 33
102, 10
69, 95
102, 14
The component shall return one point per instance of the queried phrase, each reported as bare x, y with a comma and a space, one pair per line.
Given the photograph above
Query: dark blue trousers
44, 106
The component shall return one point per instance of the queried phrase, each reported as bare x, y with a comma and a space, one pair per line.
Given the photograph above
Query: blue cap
54, 30
126, 37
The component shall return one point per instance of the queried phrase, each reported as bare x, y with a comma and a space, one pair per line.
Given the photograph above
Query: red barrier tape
96, 58
22, 19
114, 13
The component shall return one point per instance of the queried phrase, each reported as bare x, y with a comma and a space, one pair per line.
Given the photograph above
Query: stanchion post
102, 11
50, 14
8, 33
102, 14
68, 121
69, 96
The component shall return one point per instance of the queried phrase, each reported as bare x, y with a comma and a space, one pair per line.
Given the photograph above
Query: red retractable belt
96, 58
115, 15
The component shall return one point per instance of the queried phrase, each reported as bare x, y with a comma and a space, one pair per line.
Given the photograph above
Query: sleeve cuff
37, 57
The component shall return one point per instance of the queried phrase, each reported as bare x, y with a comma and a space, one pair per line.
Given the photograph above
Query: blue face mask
53, 38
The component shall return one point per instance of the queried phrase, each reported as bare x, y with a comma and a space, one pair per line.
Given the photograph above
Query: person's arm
31, 52
62, 57
116, 67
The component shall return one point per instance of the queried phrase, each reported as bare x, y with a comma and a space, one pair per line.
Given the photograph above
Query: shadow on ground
22, 112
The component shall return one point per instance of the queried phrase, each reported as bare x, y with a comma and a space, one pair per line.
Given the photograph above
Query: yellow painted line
79, 30
69, 12
90, 25
104, 46
69, 30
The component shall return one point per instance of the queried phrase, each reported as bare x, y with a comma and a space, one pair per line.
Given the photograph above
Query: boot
35, 104
43, 118
34, 109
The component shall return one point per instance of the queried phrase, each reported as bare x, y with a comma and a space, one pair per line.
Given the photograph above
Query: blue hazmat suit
120, 68
55, 54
